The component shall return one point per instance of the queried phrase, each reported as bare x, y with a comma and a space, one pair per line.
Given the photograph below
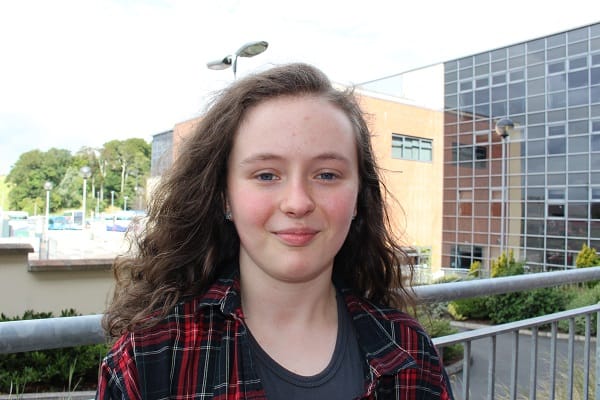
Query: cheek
249, 207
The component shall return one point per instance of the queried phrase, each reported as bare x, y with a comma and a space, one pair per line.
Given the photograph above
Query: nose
297, 199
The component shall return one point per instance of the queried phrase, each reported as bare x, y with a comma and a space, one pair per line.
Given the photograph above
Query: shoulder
361, 308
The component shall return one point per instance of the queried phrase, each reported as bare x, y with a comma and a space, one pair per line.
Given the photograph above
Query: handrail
51, 333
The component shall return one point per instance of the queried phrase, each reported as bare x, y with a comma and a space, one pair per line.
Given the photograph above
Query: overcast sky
83, 72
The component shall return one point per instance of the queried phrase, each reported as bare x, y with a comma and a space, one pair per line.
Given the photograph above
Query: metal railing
31, 335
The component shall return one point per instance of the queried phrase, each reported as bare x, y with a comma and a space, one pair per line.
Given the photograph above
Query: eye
328, 176
266, 176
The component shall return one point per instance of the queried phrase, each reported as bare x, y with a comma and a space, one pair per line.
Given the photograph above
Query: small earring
353, 217
228, 215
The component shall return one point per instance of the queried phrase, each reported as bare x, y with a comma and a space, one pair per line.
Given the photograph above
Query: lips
296, 237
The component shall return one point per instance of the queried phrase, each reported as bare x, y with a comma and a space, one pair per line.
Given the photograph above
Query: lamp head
220, 64
504, 127
48, 185
85, 172
251, 49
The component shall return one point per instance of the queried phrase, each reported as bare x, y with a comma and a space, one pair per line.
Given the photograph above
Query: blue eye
266, 176
327, 176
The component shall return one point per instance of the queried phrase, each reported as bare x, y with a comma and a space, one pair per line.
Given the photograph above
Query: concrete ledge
51, 396
100, 264
8, 246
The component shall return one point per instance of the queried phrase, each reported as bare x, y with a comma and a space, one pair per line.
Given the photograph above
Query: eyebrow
270, 156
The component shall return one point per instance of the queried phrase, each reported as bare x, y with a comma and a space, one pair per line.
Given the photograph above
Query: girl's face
292, 187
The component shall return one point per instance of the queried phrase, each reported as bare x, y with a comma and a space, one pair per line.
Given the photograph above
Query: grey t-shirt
342, 379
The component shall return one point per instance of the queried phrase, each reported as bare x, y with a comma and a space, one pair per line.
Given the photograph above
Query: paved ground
75, 244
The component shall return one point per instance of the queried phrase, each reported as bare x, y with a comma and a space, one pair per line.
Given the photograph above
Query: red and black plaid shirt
201, 351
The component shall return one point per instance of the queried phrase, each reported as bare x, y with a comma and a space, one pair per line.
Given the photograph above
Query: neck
275, 303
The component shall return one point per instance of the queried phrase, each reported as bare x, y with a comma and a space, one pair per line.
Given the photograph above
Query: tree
129, 166
506, 265
29, 174
587, 257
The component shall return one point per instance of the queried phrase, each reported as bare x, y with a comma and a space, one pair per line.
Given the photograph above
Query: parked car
58, 223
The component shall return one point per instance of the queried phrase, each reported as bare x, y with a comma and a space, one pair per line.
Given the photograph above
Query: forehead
313, 120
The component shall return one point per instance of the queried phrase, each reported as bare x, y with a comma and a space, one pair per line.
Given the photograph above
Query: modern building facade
536, 192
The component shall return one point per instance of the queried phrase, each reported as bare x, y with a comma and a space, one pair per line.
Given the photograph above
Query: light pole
125, 205
85, 172
112, 198
47, 188
503, 128
248, 50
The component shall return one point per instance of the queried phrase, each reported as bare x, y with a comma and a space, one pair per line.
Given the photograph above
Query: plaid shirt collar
375, 331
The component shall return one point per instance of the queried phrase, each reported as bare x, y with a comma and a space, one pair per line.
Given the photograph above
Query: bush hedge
66, 369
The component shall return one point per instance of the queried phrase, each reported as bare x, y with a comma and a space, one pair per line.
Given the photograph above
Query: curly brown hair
186, 238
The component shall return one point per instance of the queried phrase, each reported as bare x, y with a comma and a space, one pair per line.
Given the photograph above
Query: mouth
296, 237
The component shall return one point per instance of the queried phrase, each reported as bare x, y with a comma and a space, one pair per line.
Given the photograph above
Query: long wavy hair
187, 240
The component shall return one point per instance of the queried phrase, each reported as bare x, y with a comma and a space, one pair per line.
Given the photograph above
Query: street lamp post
85, 172
47, 188
125, 204
248, 50
112, 198
503, 128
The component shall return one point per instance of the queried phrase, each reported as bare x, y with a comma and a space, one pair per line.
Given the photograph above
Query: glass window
578, 162
535, 210
578, 127
578, 97
554, 54
578, 144
535, 227
535, 58
557, 164
579, 62
535, 241
577, 228
578, 193
499, 93
411, 148
556, 210
464, 255
534, 132
595, 76
556, 67
556, 179
580, 178
516, 90
595, 145
578, 210
557, 100
556, 130
557, 82
516, 106
535, 86
557, 146
536, 164
482, 96
536, 148
535, 71
595, 213
578, 79
482, 82
578, 48
595, 94
556, 194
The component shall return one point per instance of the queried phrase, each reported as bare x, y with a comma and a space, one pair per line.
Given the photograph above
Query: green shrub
522, 305
582, 298
437, 327
50, 370
469, 308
